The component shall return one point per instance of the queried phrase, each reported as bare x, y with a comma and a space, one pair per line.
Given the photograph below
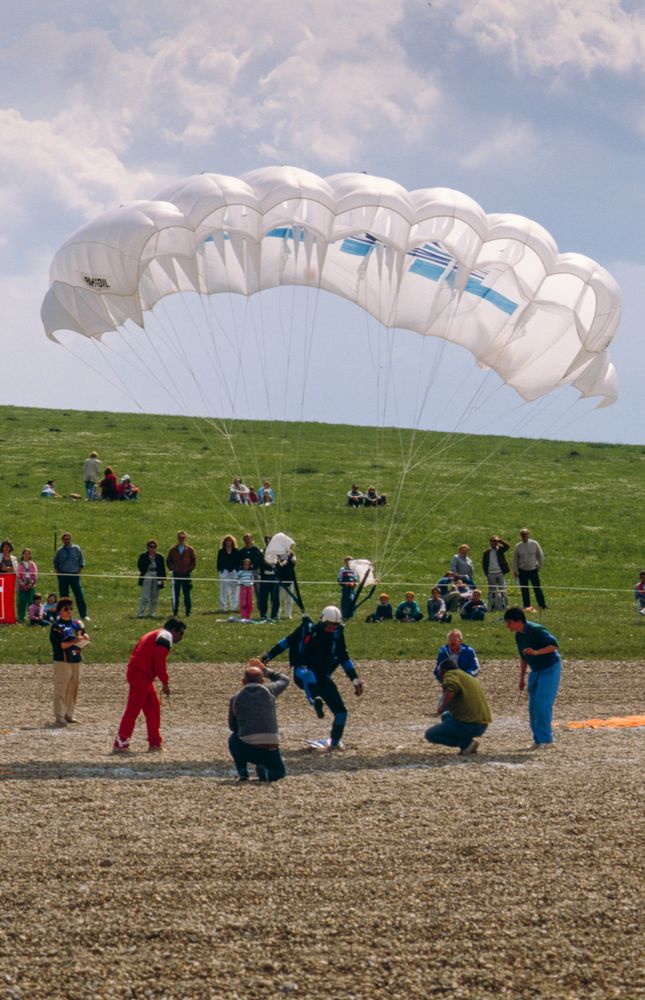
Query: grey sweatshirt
252, 712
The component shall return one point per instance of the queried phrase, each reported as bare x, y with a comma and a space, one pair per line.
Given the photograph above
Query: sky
532, 109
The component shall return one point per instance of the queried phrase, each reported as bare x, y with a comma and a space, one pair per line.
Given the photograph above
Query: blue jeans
268, 763
452, 733
543, 688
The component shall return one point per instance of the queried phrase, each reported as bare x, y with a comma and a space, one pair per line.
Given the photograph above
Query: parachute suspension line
310, 323
440, 502
119, 385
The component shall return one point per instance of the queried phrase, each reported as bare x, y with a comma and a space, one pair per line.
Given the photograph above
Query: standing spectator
91, 475
253, 721
639, 591
254, 553
538, 650
109, 485
245, 583
462, 565
8, 562
437, 607
495, 569
528, 560
228, 563
27, 575
408, 610
354, 497
68, 564
181, 561
265, 493
68, 638
285, 570
462, 655
474, 609
383, 611
269, 589
36, 613
347, 579
152, 574
146, 664
463, 708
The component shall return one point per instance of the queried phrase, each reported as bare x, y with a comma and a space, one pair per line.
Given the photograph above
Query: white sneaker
325, 745
472, 747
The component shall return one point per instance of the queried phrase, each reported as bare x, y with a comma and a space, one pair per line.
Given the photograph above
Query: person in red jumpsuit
147, 662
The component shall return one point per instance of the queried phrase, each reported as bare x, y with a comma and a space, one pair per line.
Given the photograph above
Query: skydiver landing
315, 651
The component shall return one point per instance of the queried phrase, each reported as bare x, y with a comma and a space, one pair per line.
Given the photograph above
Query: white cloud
40, 160
582, 35
511, 142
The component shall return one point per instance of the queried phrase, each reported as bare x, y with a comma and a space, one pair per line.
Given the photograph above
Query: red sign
7, 599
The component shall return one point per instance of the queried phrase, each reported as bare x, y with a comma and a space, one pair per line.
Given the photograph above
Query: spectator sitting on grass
48, 490
639, 592
127, 489
354, 497
437, 607
475, 609
383, 611
49, 607
109, 485
408, 610
265, 494
36, 613
238, 492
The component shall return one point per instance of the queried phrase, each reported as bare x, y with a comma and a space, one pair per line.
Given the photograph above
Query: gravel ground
389, 870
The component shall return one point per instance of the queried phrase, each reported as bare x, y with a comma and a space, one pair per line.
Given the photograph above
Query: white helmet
331, 614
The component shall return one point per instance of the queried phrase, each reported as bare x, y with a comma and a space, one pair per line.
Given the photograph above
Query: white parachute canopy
278, 548
429, 260
364, 571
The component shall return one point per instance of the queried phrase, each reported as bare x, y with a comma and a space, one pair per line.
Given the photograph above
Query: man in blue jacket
462, 655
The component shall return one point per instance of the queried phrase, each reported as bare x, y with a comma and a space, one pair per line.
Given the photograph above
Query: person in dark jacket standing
253, 721
181, 561
152, 573
495, 569
68, 638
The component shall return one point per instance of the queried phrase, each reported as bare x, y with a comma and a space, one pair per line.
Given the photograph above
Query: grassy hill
581, 501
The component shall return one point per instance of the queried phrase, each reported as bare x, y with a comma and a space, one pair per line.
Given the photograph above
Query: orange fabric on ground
616, 722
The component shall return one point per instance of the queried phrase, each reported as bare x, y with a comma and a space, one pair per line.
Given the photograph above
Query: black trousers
74, 582
268, 590
268, 763
527, 576
181, 585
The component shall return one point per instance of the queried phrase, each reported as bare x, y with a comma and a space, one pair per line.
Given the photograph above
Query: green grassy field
581, 501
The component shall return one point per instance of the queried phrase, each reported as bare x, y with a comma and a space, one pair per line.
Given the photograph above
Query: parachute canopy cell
431, 261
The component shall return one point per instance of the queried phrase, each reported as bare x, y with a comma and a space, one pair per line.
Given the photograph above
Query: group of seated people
42, 612
239, 492
356, 497
111, 489
447, 597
